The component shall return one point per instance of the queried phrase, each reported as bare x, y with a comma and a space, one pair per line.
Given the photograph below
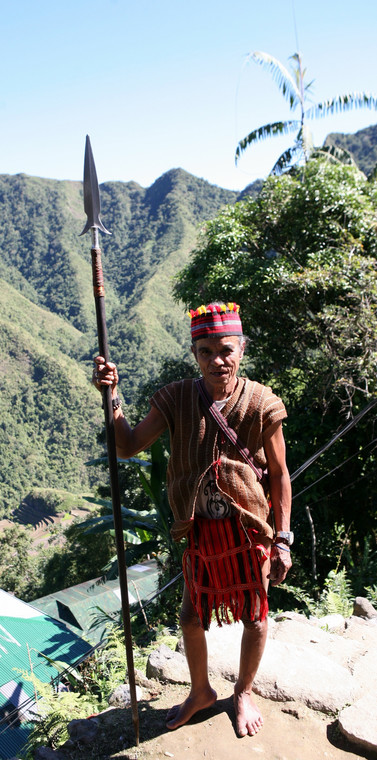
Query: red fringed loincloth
222, 570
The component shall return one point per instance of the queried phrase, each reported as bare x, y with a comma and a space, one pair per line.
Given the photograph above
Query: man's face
219, 359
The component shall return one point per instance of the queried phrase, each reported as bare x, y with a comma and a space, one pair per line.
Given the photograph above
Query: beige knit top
196, 443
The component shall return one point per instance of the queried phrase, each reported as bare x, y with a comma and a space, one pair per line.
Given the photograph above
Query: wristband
115, 402
285, 548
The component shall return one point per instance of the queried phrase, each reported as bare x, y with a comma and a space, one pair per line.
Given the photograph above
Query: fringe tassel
222, 569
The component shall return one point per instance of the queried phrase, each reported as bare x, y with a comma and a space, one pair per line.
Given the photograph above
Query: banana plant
145, 531
296, 90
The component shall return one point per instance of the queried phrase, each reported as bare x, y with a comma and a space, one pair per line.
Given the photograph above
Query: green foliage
49, 414
363, 566
336, 596
73, 561
65, 561
106, 668
362, 146
55, 709
300, 259
88, 692
19, 570
296, 90
44, 434
372, 594
89, 688
145, 531
50, 729
53, 500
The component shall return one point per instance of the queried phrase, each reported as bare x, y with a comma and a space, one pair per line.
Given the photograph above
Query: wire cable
327, 445
326, 475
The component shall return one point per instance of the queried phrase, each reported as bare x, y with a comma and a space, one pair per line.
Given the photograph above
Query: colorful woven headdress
215, 320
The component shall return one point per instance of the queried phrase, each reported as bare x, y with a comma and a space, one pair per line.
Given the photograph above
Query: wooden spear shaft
92, 206
99, 297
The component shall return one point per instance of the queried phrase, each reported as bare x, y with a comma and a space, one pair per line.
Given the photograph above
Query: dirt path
290, 732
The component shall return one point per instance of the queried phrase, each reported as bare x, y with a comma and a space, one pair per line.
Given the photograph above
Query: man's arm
129, 441
281, 495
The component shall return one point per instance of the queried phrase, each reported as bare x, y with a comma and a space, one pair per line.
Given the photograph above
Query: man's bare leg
201, 694
248, 717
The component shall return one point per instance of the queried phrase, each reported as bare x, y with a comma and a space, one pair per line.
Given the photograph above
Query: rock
333, 622
364, 608
167, 665
305, 676
301, 632
359, 722
46, 753
303, 664
365, 672
289, 616
83, 730
121, 696
298, 663
142, 680
362, 630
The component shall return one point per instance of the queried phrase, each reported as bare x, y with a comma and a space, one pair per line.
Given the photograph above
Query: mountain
50, 414
49, 410
362, 145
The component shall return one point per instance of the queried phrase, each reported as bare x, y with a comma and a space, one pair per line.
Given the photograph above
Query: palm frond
280, 74
285, 160
342, 103
268, 130
131, 518
335, 154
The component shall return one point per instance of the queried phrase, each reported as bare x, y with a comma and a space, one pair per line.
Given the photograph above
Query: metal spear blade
92, 204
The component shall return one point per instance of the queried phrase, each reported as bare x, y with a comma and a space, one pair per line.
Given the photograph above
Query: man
218, 501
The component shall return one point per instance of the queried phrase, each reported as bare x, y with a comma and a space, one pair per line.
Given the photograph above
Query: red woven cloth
222, 570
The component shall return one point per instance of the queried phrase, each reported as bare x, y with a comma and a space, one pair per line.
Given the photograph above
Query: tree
301, 260
296, 91
19, 570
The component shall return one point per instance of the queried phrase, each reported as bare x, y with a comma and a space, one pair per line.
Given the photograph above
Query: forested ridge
297, 252
50, 414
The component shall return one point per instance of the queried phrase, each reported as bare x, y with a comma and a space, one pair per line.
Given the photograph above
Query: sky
161, 84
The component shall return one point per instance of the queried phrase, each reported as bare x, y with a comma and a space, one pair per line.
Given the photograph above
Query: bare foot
248, 718
180, 714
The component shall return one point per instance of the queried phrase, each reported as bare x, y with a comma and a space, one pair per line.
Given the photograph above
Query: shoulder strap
228, 430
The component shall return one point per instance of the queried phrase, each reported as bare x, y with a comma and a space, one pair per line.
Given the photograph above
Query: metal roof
79, 607
55, 625
25, 635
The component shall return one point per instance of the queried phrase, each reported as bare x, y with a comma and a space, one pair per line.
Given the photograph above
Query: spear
92, 208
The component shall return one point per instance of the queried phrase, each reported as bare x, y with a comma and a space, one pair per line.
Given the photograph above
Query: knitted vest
196, 444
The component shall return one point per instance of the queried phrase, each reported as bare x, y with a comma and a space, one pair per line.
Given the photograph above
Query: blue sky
159, 84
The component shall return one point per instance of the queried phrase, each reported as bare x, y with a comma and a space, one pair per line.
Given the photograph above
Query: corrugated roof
25, 635
79, 607
55, 625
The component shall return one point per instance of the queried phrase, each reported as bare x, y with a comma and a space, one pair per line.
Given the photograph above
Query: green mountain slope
362, 145
50, 414
49, 411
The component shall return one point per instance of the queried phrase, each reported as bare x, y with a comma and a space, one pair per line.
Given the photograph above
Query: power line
326, 475
340, 490
324, 448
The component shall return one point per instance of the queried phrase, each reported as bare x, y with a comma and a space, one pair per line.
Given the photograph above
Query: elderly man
218, 500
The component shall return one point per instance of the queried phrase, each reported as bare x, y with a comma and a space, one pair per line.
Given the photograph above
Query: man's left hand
281, 562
